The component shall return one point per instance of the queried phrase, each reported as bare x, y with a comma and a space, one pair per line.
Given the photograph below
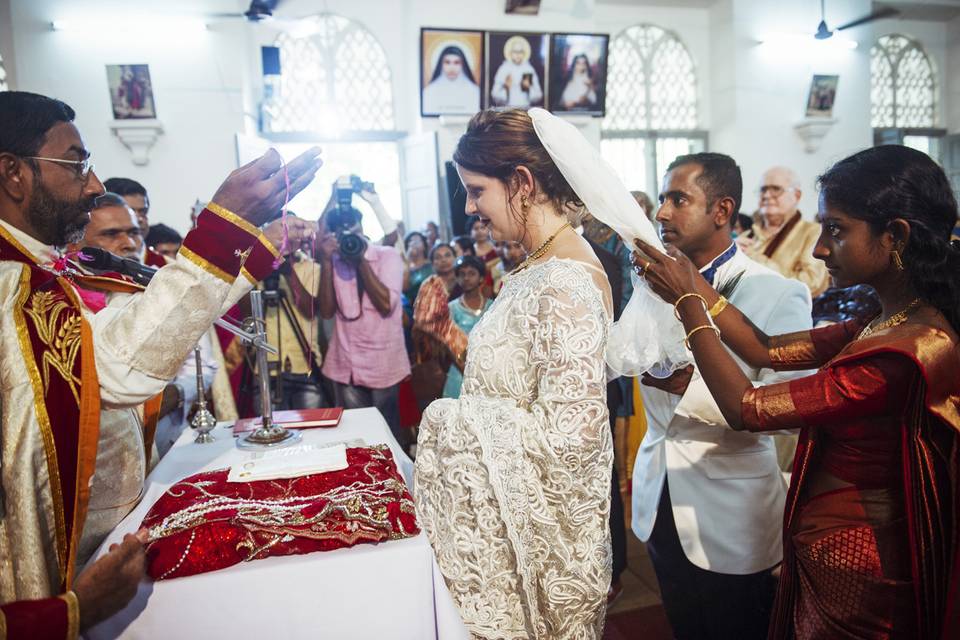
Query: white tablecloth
387, 590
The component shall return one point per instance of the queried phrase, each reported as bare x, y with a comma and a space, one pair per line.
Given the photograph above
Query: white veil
648, 336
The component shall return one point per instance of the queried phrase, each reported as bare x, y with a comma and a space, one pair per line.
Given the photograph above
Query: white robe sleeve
141, 340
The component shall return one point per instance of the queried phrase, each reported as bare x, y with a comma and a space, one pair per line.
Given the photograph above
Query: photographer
360, 285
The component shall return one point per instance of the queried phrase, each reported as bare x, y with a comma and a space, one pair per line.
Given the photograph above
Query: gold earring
524, 201
897, 260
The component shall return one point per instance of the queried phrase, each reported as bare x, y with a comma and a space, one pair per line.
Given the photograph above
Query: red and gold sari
870, 526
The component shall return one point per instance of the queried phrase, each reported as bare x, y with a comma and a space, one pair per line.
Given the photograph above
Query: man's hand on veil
669, 274
257, 190
676, 383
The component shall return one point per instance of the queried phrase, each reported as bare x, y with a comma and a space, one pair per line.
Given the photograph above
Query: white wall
206, 85
197, 86
760, 91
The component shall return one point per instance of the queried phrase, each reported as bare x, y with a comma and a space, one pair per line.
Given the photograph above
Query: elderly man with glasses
783, 241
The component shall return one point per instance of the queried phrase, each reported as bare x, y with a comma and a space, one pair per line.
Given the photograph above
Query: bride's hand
669, 274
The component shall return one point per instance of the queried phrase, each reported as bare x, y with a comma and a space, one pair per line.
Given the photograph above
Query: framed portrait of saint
451, 72
578, 73
131, 93
823, 93
516, 69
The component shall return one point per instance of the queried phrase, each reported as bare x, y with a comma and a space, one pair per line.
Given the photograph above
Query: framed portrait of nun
578, 73
451, 72
516, 69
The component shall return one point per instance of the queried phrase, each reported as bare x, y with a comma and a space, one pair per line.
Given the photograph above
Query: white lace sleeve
513, 479
570, 444
141, 340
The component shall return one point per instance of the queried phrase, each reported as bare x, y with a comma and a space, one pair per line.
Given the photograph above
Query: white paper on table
648, 336
290, 462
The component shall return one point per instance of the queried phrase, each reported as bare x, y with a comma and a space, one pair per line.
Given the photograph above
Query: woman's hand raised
669, 274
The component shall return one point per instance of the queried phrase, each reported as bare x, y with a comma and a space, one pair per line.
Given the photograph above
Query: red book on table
294, 419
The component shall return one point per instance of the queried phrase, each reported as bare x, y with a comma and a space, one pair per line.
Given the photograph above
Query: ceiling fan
824, 32
259, 11
262, 12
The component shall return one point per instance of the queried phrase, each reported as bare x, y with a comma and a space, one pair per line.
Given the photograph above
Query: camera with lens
345, 217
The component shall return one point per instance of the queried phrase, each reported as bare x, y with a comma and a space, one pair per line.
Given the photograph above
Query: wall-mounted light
147, 25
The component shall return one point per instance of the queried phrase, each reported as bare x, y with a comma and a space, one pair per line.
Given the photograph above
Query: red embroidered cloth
204, 523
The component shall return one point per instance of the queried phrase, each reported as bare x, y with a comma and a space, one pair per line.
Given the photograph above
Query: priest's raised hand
258, 189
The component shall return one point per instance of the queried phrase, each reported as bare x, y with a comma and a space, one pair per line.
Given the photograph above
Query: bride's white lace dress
513, 478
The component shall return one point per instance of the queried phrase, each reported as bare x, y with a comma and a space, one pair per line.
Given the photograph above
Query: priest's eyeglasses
82, 167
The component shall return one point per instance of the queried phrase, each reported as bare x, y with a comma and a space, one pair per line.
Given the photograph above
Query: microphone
101, 260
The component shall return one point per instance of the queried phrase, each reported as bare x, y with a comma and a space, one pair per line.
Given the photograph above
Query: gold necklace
466, 305
539, 251
896, 319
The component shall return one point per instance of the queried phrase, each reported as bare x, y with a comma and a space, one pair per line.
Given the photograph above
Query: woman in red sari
871, 523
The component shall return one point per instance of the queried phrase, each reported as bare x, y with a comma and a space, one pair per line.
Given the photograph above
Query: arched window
903, 84
336, 87
336, 79
651, 106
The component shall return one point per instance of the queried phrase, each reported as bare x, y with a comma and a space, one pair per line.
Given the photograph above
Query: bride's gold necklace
896, 319
541, 250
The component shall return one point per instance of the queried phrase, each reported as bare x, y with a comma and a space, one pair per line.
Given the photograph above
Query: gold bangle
686, 341
718, 306
676, 305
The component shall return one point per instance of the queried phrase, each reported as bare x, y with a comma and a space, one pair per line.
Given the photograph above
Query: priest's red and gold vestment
72, 446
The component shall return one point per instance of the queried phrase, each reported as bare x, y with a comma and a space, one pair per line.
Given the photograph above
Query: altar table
388, 590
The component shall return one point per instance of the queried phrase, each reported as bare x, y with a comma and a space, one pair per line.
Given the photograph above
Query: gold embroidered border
22, 249
269, 245
89, 431
43, 419
206, 265
230, 216
73, 614
249, 276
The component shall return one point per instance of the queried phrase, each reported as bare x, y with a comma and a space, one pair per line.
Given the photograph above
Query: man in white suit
709, 500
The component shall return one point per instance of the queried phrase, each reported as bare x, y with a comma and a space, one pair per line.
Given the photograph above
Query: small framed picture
516, 69
451, 72
523, 7
823, 93
131, 93
578, 73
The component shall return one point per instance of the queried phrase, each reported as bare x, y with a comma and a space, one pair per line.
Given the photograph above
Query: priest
72, 380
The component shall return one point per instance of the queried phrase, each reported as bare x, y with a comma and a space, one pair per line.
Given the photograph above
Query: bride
513, 478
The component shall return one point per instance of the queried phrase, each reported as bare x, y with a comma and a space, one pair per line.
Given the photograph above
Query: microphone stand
269, 435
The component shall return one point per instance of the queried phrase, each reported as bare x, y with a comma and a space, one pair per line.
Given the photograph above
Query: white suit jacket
725, 486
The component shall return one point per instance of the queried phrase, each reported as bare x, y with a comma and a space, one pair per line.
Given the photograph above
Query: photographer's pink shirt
367, 348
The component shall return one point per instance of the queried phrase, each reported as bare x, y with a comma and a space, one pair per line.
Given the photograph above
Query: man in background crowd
164, 240
113, 227
783, 240
136, 196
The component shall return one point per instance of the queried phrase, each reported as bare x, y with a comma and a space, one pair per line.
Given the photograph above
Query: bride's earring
524, 207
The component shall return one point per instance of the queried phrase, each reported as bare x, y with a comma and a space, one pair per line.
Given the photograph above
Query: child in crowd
466, 310
511, 254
